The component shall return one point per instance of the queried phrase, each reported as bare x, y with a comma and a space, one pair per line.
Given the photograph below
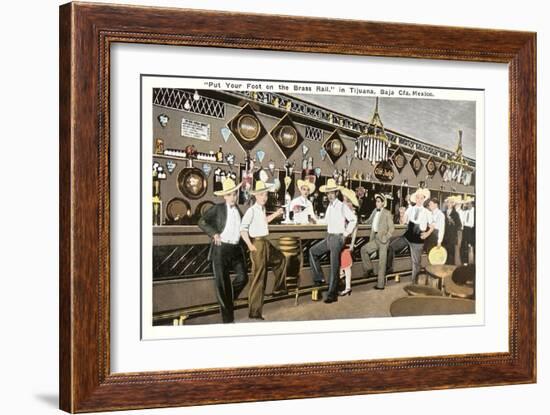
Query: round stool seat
458, 290
416, 290
440, 271
431, 305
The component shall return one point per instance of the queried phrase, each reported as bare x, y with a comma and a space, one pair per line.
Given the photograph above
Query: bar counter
182, 277
192, 234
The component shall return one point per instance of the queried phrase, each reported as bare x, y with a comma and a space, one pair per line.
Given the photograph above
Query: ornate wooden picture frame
87, 32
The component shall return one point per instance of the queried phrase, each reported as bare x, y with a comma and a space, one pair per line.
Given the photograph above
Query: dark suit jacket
213, 222
385, 226
452, 226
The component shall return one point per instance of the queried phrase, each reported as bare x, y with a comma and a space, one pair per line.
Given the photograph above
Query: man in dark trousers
222, 223
382, 229
452, 226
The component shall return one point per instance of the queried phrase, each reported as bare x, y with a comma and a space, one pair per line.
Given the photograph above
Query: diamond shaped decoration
334, 146
416, 163
286, 136
226, 133
431, 167
399, 159
247, 128
442, 168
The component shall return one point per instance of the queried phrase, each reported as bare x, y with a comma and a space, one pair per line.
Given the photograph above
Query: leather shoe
329, 300
378, 288
319, 283
256, 317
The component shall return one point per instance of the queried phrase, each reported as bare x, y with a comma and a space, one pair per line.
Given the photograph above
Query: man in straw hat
382, 229
222, 223
302, 206
453, 225
459, 207
419, 219
434, 235
468, 230
254, 231
341, 221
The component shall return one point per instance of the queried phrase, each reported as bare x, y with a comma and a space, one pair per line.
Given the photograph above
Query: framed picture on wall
259, 198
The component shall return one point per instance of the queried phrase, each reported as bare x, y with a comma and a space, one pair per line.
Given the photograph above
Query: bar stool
291, 248
440, 273
461, 283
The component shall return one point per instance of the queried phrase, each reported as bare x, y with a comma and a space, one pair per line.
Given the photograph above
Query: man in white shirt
419, 220
222, 223
340, 221
301, 206
437, 231
254, 231
468, 230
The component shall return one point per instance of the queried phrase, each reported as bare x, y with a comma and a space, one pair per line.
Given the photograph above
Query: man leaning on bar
341, 221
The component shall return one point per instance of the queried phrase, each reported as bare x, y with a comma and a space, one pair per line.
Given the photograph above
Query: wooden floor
364, 302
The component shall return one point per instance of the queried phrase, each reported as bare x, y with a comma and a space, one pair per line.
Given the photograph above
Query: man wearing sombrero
254, 231
419, 219
435, 234
222, 223
382, 228
453, 225
302, 206
340, 221
468, 230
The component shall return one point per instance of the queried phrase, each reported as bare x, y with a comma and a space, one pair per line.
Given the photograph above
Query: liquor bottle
157, 208
219, 155
247, 162
156, 183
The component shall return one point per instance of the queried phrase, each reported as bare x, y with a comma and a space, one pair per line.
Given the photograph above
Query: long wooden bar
178, 293
192, 234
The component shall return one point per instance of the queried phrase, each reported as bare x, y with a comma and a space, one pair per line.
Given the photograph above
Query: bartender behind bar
301, 206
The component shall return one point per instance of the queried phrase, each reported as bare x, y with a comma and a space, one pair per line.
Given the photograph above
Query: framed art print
250, 213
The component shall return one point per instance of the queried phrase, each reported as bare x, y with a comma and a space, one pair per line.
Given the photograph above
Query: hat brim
437, 256
378, 195
325, 189
229, 191
351, 196
307, 183
266, 189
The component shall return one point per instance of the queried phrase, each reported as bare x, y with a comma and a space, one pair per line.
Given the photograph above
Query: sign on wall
195, 129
